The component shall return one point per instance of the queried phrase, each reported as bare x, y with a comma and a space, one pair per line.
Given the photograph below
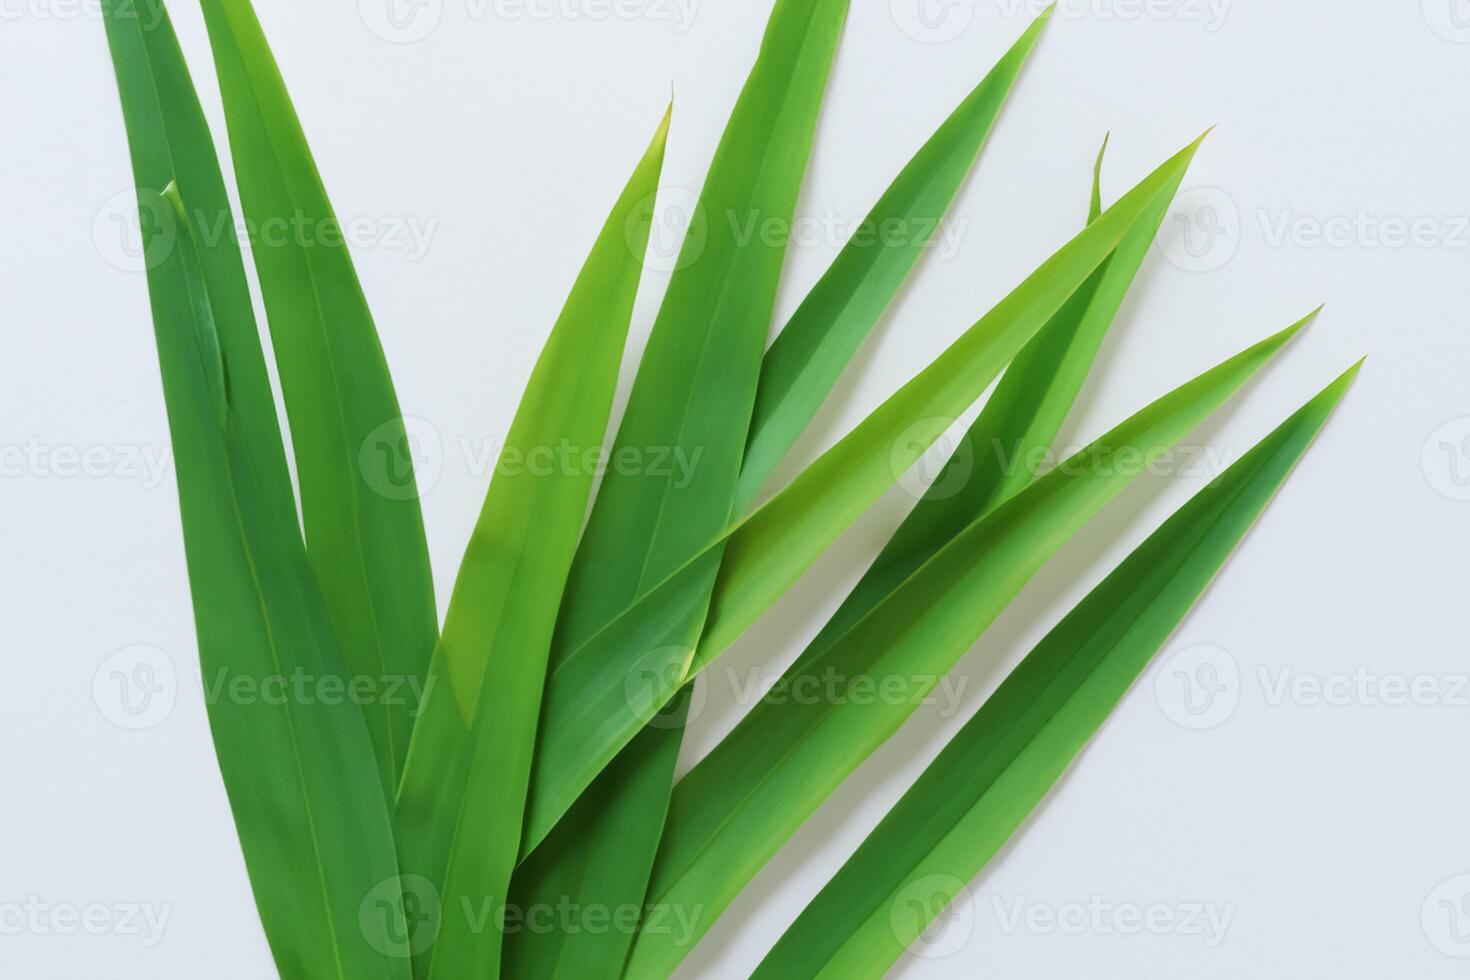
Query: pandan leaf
601, 855
742, 802
462, 801
998, 455
697, 380
691, 402
301, 778
988, 779
810, 353
359, 501
602, 692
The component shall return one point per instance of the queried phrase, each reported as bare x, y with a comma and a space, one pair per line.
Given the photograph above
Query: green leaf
810, 353
460, 808
744, 800
692, 402
303, 786
602, 692
983, 785
359, 502
997, 456
698, 376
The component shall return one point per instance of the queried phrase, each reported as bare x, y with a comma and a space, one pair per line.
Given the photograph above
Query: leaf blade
986, 781
301, 779
810, 353
592, 709
359, 499
735, 809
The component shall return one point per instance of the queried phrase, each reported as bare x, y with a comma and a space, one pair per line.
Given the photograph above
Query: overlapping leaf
606, 689
983, 785
460, 809
612, 831
302, 781
359, 500
736, 808
691, 402
819, 341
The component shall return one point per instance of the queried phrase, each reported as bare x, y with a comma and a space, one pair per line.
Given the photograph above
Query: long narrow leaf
692, 400
593, 709
303, 786
983, 785
595, 856
743, 801
810, 353
359, 502
461, 805
998, 455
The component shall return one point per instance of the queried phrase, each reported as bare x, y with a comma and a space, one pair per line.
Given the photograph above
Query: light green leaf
460, 807
1006, 759
810, 353
743, 801
691, 403
998, 455
301, 778
698, 376
608, 687
359, 502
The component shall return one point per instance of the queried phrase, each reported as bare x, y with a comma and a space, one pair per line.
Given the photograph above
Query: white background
1332, 834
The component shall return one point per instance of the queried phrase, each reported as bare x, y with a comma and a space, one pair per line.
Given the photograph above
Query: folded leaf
605, 690
301, 778
461, 805
743, 801
1006, 759
359, 502
810, 353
